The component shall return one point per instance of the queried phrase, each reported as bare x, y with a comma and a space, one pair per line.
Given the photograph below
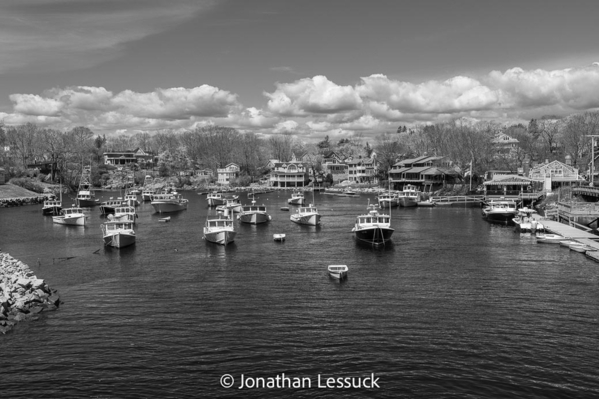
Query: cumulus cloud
315, 106
317, 95
71, 34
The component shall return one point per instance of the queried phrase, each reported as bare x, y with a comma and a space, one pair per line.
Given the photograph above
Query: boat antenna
389, 181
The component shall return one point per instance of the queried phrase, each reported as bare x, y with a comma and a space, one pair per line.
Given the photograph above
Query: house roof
400, 170
511, 180
419, 169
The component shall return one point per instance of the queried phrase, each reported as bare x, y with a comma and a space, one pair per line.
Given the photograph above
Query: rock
37, 283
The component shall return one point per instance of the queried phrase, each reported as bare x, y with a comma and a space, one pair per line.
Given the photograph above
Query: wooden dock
568, 231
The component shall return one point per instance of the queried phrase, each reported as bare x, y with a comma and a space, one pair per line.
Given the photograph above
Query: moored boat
387, 199
550, 238
278, 237
373, 228
73, 216
131, 199
85, 194
108, 207
502, 211
297, 198
173, 202
52, 207
125, 214
118, 234
580, 247
219, 230
525, 222
306, 215
218, 198
253, 214
409, 196
338, 271
230, 205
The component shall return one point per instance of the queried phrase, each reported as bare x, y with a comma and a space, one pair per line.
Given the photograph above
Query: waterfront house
289, 174
227, 174
428, 173
362, 170
556, 174
137, 156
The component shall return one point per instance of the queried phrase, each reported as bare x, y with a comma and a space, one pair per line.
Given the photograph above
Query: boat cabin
373, 219
254, 208
71, 211
219, 223
117, 225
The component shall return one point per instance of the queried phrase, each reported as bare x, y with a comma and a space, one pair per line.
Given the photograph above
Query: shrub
28, 184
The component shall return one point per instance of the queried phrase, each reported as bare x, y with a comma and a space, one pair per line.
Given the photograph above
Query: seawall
22, 295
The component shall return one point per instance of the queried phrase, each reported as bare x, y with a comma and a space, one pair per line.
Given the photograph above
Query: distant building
227, 174
137, 156
555, 174
426, 172
289, 174
362, 170
2, 176
504, 143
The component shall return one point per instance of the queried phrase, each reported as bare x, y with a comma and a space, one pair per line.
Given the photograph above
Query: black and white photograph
299, 199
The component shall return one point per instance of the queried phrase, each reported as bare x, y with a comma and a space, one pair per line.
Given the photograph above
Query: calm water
455, 308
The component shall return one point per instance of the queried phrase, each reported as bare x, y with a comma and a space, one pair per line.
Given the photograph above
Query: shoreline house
362, 170
556, 174
428, 173
288, 174
227, 174
505, 144
136, 156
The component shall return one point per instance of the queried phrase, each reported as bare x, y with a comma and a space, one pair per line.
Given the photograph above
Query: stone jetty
22, 295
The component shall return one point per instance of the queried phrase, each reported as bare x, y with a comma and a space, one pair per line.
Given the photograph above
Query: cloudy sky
312, 67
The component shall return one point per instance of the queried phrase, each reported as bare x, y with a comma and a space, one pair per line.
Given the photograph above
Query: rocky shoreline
8, 202
22, 295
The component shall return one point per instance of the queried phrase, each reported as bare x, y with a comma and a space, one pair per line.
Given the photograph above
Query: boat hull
51, 210
87, 203
222, 237
254, 218
69, 221
387, 203
216, 201
295, 201
165, 207
119, 240
308, 220
374, 235
500, 217
408, 202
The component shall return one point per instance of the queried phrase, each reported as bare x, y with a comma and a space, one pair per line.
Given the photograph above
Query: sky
314, 68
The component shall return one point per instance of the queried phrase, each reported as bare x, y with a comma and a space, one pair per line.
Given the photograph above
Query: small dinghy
166, 219
278, 237
338, 271
580, 247
284, 208
550, 238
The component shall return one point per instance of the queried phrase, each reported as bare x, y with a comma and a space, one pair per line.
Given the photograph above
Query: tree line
213, 147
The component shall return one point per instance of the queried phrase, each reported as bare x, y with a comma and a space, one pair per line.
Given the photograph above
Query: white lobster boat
253, 214
118, 234
70, 216
173, 202
297, 198
387, 200
219, 230
307, 215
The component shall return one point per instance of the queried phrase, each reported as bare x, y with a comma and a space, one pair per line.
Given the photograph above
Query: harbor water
454, 307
